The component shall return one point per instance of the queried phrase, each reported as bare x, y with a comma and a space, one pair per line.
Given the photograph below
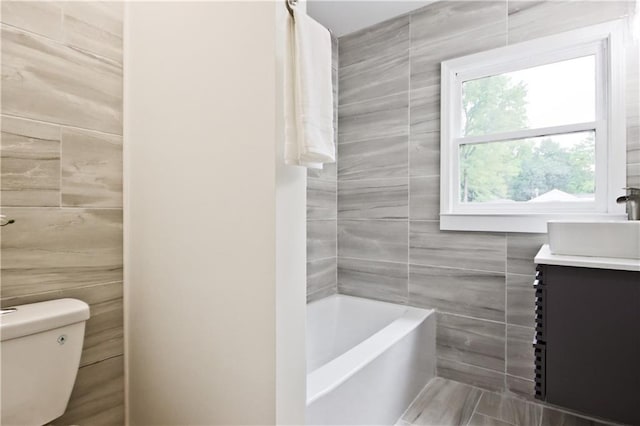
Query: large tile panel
458, 291
471, 341
465, 373
424, 199
482, 420
30, 163
425, 109
373, 199
532, 19
91, 169
553, 417
384, 281
374, 78
94, 26
426, 57
470, 250
40, 17
321, 274
520, 358
520, 387
373, 239
374, 119
321, 294
321, 239
442, 19
424, 154
443, 402
512, 410
633, 175
72, 87
520, 300
321, 199
384, 39
98, 395
373, 159
50, 249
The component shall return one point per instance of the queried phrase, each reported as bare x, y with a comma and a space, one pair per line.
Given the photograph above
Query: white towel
308, 94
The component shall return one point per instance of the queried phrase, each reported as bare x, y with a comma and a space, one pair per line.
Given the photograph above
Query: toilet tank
40, 350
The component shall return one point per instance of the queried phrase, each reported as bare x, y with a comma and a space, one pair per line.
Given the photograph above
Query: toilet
40, 350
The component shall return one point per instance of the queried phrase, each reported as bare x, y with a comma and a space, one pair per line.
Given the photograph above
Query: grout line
424, 176
506, 306
336, 107
321, 258
521, 378
390, 178
333, 287
506, 23
323, 180
63, 207
5, 298
542, 405
102, 360
371, 260
475, 409
348, 219
375, 139
495, 418
409, 165
375, 99
521, 326
440, 311
60, 162
474, 366
51, 123
71, 208
519, 275
502, 273
62, 43
379, 60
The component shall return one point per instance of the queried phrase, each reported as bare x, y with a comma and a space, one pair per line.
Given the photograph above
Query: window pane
547, 95
550, 168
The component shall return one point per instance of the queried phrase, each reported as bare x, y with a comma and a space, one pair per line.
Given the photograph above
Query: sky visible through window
559, 93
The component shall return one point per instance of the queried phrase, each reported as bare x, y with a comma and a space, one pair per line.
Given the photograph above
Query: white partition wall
214, 222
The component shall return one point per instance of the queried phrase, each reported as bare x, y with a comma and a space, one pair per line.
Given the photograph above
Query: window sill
530, 223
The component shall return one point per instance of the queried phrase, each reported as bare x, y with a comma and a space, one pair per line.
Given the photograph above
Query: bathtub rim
322, 380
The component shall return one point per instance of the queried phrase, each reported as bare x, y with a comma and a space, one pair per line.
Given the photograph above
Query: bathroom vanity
587, 342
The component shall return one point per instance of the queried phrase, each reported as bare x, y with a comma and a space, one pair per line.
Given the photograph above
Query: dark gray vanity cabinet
587, 343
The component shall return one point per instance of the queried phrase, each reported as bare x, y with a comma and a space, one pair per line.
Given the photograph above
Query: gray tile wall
390, 246
61, 180
322, 214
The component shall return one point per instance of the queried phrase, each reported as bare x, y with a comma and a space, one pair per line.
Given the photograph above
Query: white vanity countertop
544, 257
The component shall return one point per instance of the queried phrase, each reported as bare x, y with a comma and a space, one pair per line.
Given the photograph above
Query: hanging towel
308, 94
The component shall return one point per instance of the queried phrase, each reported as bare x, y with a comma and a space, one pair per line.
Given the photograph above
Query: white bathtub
366, 360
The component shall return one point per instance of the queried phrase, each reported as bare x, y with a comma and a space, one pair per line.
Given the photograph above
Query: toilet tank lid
38, 317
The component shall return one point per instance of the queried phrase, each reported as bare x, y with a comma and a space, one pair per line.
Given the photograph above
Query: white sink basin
617, 239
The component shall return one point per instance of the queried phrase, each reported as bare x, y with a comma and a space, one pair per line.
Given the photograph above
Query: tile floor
445, 402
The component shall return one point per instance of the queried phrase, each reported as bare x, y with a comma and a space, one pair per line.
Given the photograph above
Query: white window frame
606, 42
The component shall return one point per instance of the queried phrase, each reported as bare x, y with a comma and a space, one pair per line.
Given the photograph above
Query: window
533, 132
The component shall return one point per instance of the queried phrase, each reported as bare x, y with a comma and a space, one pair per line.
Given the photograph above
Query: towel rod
291, 4
4, 221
